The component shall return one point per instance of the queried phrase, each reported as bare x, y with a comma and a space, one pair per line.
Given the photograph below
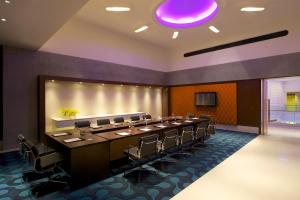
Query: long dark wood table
89, 159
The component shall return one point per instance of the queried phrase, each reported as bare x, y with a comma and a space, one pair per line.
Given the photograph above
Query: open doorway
283, 96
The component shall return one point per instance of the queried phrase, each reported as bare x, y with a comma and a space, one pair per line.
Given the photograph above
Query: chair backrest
135, 118
103, 121
147, 117
27, 145
148, 145
187, 134
190, 115
200, 131
20, 140
205, 117
81, 124
170, 139
119, 119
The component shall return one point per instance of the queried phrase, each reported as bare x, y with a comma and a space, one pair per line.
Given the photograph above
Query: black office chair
82, 124
103, 122
169, 141
147, 147
200, 134
147, 117
186, 139
119, 119
190, 115
135, 118
46, 163
211, 129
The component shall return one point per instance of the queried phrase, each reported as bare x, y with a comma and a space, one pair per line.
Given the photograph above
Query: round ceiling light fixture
185, 14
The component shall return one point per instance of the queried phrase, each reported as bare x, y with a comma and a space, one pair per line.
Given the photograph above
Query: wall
81, 39
1, 98
97, 99
277, 95
270, 67
182, 101
21, 68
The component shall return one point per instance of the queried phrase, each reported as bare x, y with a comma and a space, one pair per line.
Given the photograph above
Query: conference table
88, 152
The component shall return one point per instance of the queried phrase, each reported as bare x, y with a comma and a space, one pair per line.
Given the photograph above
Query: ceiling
31, 23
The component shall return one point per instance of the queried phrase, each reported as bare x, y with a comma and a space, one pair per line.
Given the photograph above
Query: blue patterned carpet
162, 179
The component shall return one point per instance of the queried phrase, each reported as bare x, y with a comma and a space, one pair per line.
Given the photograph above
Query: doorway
282, 106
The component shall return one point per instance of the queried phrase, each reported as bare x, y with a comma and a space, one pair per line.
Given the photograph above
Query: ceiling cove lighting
175, 35
180, 14
252, 9
214, 29
143, 28
117, 9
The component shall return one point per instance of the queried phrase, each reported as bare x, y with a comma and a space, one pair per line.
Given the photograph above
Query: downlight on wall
117, 9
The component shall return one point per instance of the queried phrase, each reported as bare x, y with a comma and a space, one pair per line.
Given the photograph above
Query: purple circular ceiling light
185, 13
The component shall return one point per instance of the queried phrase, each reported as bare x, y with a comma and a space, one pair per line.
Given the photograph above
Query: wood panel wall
182, 101
249, 103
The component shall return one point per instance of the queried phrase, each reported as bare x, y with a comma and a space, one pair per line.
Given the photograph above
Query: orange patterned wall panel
182, 101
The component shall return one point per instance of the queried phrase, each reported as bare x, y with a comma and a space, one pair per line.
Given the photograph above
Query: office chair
119, 119
190, 115
200, 134
82, 124
211, 129
45, 164
147, 117
186, 139
169, 141
103, 122
135, 118
147, 147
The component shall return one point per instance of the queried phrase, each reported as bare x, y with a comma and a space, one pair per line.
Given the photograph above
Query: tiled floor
267, 168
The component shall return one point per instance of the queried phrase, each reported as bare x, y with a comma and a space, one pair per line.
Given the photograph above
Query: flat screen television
206, 99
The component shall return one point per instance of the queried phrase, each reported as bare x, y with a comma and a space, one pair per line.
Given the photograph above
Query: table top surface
110, 132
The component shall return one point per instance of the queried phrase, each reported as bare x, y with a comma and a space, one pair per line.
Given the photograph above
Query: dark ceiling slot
239, 43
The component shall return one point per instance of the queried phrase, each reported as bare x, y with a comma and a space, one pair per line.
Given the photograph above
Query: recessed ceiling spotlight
3, 19
7, 1
143, 28
175, 35
117, 9
252, 9
214, 29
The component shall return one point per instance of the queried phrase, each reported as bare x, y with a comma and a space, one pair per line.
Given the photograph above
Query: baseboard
247, 129
8, 150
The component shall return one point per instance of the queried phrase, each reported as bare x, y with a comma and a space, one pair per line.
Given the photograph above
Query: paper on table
95, 126
188, 121
161, 126
176, 123
60, 134
123, 133
195, 118
145, 129
72, 140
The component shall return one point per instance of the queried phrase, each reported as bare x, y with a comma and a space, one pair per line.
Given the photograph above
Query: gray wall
21, 68
277, 66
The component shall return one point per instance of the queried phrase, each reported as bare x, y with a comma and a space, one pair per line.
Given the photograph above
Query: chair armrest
50, 159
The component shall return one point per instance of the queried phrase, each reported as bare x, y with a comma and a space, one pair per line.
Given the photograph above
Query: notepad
123, 133
145, 129
96, 126
176, 123
60, 134
188, 121
72, 140
195, 118
161, 126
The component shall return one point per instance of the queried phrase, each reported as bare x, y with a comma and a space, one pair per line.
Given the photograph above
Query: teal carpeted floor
162, 179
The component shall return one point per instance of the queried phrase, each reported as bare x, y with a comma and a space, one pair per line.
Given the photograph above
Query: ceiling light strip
214, 29
143, 28
175, 35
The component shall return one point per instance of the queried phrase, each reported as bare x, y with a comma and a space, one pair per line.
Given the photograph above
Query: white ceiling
57, 26
234, 25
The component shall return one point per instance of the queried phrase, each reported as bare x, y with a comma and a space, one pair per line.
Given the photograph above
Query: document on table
60, 134
72, 140
188, 121
176, 123
96, 126
145, 129
123, 133
161, 126
195, 118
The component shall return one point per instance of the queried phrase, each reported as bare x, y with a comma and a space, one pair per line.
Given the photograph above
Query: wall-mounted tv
206, 99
